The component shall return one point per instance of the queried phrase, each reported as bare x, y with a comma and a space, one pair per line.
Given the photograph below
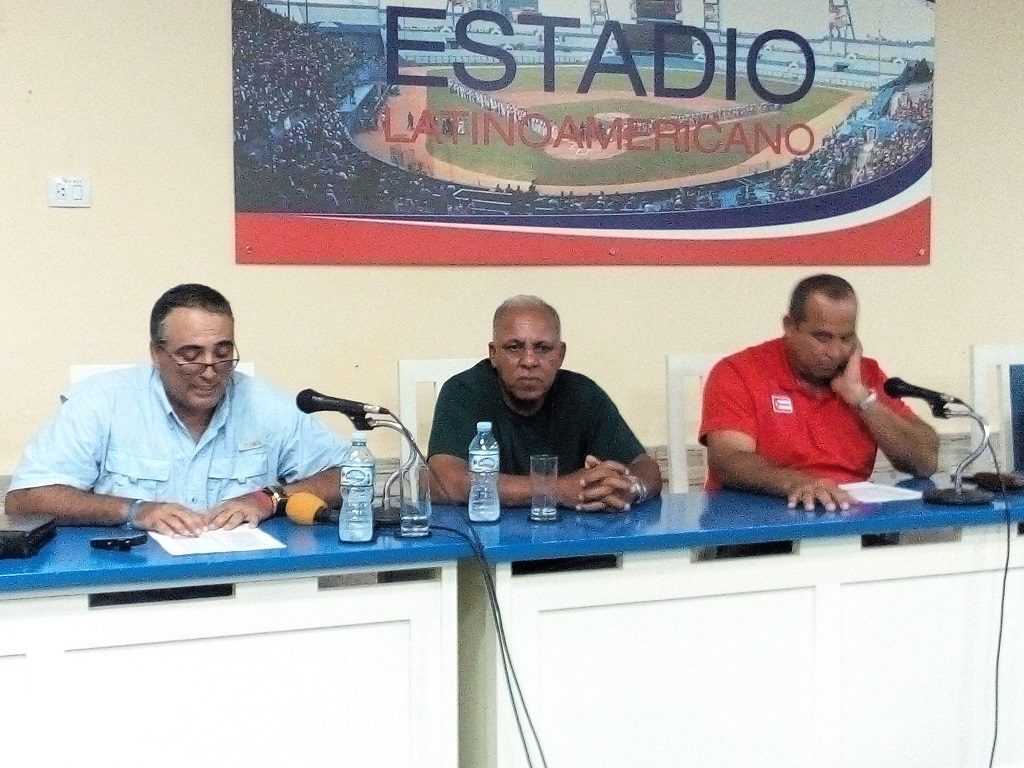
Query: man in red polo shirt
798, 415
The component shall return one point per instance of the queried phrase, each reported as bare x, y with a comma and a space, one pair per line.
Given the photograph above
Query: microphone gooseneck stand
392, 506
958, 495
367, 421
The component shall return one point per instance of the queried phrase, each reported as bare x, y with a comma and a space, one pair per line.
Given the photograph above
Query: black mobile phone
121, 541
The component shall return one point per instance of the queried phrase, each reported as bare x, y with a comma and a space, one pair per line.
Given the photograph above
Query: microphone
896, 387
957, 495
310, 401
304, 508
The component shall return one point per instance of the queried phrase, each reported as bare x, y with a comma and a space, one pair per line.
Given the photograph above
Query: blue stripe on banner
760, 215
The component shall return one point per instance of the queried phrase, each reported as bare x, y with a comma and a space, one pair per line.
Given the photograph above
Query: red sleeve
727, 402
874, 378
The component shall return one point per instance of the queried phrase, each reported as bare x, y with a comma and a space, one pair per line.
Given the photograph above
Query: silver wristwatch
132, 513
637, 489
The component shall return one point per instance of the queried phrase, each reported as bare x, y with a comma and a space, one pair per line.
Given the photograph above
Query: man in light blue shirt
185, 445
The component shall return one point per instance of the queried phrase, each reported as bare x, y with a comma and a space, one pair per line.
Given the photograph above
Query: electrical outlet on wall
69, 192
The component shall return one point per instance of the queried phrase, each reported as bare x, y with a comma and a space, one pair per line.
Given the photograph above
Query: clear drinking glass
414, 520
543, 476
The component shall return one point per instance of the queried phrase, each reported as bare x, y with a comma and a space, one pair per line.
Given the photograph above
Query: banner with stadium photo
583, 131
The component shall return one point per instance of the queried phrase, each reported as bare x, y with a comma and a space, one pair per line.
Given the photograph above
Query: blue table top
671, 522
677, 521
68, 562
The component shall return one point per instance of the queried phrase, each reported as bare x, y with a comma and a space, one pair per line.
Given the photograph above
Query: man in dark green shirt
535, 408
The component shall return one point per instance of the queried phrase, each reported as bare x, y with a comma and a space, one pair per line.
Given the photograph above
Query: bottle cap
483, 426
360, 436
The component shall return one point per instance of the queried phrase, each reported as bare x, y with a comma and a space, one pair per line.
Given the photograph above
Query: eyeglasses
194, 367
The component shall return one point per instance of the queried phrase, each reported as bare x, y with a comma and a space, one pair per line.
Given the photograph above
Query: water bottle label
356, 476
483, 461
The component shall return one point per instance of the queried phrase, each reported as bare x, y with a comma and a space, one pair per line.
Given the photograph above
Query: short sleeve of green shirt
462, 402
603, 431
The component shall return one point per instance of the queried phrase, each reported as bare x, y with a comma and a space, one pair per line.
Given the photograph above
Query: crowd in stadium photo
301, 94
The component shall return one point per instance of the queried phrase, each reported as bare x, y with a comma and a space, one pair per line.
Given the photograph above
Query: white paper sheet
875, 493
242, 539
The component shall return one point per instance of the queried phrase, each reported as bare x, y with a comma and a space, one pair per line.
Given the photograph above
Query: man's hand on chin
847, 384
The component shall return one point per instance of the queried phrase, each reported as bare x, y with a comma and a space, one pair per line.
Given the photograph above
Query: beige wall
137, 95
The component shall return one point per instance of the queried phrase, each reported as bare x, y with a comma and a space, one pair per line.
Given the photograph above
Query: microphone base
425, 535
391, 517
415, 524
966, 497
386, 516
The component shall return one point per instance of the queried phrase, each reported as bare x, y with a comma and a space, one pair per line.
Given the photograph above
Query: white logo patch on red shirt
782, 404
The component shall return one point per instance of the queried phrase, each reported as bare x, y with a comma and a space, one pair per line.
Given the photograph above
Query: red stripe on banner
273, 238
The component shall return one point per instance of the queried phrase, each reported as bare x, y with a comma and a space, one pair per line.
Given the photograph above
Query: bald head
524, 302
830, 286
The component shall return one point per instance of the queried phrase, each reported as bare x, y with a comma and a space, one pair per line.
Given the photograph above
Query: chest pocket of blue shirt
137, 477
242, 472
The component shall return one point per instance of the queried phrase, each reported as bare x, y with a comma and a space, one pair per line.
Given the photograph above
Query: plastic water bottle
484, 463
355, 522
